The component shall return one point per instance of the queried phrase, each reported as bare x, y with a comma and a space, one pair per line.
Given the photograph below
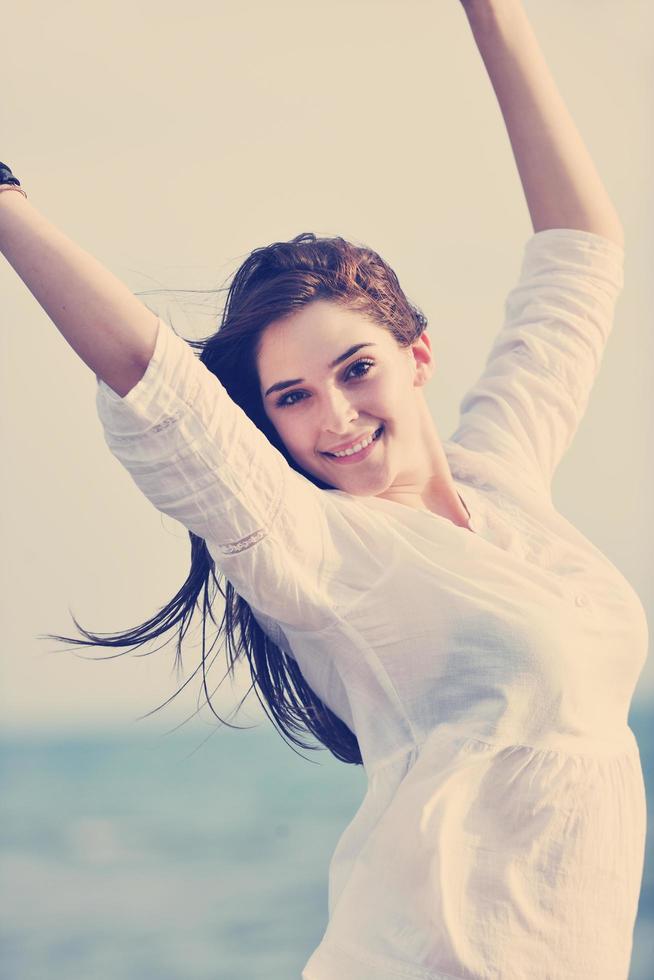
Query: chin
361, 484
363, 487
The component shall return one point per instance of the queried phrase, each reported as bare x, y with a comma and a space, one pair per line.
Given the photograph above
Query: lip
356, 457
353, 442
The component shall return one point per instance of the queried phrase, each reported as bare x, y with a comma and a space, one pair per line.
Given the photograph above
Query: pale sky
169, 142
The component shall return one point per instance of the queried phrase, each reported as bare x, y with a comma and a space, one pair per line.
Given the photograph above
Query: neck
429, 485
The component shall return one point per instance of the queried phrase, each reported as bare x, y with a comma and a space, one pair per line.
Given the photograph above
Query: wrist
9, 181
10, 192
487, 13
500, 28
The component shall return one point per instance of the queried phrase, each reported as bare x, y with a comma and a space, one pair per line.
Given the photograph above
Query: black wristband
6, 176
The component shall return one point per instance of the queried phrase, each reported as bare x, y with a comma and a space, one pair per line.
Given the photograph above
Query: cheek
295, 435
387, 394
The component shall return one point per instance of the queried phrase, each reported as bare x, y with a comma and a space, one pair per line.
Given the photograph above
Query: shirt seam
418, 745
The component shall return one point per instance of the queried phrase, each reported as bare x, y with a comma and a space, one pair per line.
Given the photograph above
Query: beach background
139, 858
169, 142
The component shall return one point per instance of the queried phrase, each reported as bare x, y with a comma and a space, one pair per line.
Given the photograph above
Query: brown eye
283, 401
364, 362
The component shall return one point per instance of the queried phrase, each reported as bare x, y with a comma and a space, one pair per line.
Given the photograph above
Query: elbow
618, 236
607, 226
611, 229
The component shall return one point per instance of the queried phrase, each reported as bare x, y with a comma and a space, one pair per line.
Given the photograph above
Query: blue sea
141, 856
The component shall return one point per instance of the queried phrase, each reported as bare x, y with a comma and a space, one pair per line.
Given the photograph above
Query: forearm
561, 184
107, 326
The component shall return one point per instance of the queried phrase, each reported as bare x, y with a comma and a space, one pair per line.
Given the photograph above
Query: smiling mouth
358, 447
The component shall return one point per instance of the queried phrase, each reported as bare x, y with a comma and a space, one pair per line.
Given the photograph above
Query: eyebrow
280, 385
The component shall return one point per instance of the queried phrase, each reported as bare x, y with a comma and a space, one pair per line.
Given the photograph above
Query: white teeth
356, 448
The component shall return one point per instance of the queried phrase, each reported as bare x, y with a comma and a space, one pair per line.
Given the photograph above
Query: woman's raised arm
560, 181
110, 329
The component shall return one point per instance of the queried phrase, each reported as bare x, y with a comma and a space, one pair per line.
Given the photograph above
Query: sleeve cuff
156, 397
579, 251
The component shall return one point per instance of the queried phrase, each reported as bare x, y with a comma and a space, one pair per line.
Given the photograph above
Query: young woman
419, 606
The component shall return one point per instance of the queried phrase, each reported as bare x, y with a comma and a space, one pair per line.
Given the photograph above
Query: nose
338, 412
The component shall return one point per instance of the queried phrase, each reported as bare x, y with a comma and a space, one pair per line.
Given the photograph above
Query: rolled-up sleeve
198, 458
534, 389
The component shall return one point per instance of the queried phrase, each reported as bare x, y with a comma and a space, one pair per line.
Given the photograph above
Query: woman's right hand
105, 324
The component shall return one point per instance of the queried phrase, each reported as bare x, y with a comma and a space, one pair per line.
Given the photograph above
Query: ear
423, 359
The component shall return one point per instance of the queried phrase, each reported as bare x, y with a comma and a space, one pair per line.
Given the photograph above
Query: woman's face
330, 380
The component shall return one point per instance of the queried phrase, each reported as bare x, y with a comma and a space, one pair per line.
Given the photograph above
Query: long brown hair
274, 281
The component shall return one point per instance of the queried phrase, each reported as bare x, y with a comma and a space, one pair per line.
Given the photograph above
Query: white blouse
487, 676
